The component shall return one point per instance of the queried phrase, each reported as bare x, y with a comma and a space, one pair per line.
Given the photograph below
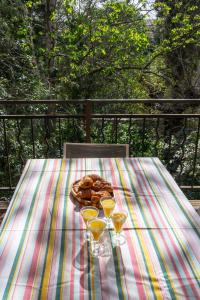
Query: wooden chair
78, 150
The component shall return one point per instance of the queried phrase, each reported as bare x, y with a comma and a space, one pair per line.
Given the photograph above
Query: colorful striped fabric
42, 249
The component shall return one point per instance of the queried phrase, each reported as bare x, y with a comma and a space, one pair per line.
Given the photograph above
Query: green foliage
72, 52
100, 46
89, 49
99, 49
178, 40
179, 22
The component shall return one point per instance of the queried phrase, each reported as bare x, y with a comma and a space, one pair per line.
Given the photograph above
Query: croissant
95, 177
102, 185
97, 185
108, 188
84, 194
76, 188
95, 199
96, 196
86, 182
104, 194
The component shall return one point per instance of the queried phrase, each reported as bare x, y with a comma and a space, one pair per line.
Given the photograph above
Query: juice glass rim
95, 219
120, 211
89, 207
107, 198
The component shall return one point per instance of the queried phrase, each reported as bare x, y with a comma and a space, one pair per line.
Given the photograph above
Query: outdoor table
42, 250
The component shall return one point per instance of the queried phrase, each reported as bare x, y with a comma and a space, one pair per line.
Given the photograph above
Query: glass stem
108, 221
87, 235
117, 238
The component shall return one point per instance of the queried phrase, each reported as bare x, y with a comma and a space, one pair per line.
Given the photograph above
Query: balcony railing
37, 129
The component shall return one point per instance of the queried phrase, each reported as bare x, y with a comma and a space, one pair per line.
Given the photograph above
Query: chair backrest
78, 150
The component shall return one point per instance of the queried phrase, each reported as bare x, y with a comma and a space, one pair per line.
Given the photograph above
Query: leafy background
52, 49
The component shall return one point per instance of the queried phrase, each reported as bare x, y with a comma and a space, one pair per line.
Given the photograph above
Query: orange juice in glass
88, 213
96, 227
108, 204
118, 219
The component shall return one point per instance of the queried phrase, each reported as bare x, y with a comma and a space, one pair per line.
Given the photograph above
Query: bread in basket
90, 189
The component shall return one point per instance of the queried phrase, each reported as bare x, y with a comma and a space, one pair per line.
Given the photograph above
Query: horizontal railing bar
99, 116
36, 102
7, 188
124, 116
145, 100
81, 101
196, 187
40, 116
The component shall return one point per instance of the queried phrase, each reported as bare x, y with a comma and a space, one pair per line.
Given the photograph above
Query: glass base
95, 249
118, 239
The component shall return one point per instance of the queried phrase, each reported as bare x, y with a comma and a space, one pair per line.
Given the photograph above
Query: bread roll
95, 177
86, 182
84, 194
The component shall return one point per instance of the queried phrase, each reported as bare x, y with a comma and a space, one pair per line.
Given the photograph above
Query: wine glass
88, 213
118, 219
96, 227
108, 204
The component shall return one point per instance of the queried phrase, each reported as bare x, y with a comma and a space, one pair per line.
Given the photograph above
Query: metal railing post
88, 119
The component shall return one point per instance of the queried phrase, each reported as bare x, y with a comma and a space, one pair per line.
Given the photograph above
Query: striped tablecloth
42, 250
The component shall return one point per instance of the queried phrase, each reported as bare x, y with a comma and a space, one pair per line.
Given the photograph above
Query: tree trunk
50, 41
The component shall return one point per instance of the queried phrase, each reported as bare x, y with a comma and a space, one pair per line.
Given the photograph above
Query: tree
73, 49
176, 60
178, 38
100, 44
